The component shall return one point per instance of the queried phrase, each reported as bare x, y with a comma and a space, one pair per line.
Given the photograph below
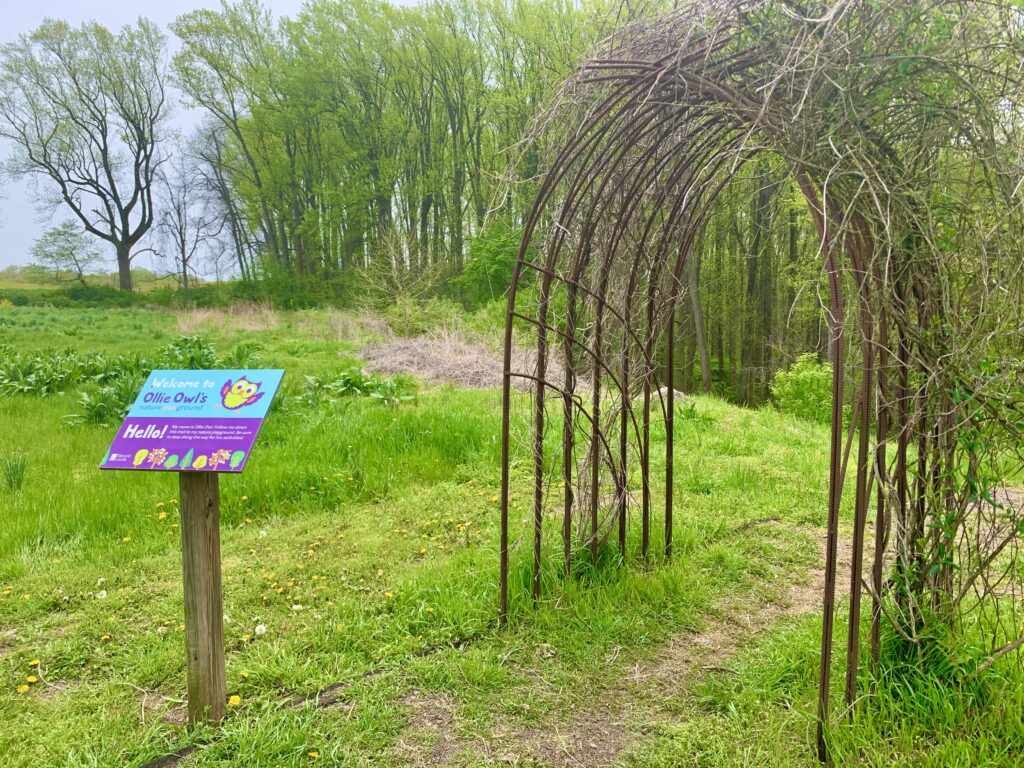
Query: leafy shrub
50, 371
805, 390
13, 469
392, 391
408, 317
109, 383
330, 388
490, 264
43, 373
246, 354
188, 352
110, 403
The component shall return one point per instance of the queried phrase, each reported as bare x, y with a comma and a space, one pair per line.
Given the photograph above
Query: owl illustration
243, 392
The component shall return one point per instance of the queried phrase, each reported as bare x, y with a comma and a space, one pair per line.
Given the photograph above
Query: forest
363, 152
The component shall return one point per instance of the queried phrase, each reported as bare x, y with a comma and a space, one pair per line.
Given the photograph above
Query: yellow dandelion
34, 663
105, 638
429, 610
235, 700
125, 539
245, 638
423, 550
313, 755
244, 675
31, 679
159, 504
495, 497
162, 516
245, 498
389, 595
22, 688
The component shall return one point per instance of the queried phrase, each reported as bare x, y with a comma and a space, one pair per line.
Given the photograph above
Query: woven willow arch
645, 136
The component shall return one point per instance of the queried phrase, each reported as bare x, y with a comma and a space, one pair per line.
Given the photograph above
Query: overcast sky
20, 221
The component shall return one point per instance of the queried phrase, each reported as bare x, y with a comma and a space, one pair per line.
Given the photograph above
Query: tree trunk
184, 270
124, 266
698, 320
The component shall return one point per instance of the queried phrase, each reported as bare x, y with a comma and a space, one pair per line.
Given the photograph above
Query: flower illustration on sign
219, 457
157, 456
240, 393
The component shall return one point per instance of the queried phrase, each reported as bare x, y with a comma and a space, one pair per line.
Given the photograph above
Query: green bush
330, 388
805, 390
50, 371
408, 317
189, 353
489, 266
108, 383
109, 403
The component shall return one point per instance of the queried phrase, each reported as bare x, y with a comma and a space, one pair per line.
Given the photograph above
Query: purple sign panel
194, 420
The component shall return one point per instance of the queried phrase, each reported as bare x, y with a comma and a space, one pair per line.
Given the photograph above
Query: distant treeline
359, 131
362, 152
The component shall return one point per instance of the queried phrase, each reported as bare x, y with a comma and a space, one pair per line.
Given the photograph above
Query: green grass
363, 537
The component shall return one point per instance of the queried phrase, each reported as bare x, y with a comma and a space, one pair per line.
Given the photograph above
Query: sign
194, 421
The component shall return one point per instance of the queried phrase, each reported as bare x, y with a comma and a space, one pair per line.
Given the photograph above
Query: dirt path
597, 737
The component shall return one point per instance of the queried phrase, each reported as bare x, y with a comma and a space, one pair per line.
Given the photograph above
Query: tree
85, 110
185, 223
66, 252
214, 168
225, 66
360, 126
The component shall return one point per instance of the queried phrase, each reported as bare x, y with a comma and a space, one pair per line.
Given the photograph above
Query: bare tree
84, 109
215, 166
186, 223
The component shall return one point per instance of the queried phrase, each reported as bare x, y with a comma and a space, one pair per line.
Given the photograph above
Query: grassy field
360, 567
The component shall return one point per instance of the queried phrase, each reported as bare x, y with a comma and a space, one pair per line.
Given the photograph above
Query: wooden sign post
204, 609
198, 424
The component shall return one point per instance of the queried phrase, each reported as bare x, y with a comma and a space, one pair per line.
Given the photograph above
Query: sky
21, 222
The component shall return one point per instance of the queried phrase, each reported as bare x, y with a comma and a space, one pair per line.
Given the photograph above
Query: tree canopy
85, 110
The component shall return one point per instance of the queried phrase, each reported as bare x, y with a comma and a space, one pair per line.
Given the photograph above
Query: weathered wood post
198, 424
204, 609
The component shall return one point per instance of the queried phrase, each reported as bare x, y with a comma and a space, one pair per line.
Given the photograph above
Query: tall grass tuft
13, 469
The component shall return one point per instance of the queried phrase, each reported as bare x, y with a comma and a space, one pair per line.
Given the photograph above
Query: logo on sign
240, 394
